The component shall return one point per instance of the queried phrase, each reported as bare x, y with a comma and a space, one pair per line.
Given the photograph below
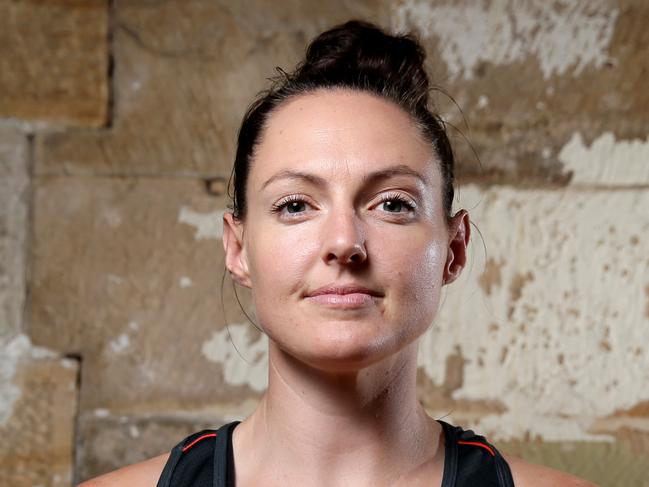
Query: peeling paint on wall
111, 217
548, 337
123, 341
114, 280
120, 343
185, 282
101, 412
12, 352
567, 36
208, 225
607, 161
524, 423
249, 368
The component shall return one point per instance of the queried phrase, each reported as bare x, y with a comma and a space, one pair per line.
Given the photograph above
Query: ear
459, 234
235, 254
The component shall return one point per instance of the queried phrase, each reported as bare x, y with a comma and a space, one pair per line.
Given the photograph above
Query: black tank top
205, 459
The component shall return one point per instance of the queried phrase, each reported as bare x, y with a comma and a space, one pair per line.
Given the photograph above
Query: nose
344, 239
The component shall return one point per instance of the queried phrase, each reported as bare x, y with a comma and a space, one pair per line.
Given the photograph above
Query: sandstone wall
117, 128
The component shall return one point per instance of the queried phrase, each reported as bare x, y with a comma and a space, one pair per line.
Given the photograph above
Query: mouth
344, 296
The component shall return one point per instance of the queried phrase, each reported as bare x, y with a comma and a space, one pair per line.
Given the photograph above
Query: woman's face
343, 190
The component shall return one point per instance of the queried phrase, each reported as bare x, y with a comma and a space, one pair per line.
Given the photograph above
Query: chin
344, 352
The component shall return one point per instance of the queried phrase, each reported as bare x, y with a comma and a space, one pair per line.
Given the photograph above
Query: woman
342, 228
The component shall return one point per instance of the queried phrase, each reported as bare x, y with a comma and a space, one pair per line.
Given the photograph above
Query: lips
345, 296
342, 289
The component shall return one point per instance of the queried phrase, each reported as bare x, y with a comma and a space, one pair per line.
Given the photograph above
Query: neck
318, 421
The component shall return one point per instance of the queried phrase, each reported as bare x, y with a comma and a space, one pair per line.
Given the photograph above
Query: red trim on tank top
475, 443
208, 435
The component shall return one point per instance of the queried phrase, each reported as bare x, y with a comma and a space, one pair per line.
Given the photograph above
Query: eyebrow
388, 172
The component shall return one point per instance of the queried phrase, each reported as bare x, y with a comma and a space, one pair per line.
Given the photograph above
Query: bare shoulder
531, 475
142, 474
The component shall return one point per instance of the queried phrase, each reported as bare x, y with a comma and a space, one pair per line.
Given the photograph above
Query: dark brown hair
360, 56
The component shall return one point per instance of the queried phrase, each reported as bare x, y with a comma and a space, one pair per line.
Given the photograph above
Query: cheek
279, 260
418, 270
430, 266
419, 254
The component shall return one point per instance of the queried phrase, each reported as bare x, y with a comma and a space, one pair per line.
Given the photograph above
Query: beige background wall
117, 129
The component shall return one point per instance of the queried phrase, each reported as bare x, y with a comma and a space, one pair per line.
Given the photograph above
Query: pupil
392, 204
294, 205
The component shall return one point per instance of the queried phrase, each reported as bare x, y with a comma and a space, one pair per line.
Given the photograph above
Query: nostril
358, 256
355, 254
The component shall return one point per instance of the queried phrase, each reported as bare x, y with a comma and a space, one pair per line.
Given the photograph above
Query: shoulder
531, 475
142, 474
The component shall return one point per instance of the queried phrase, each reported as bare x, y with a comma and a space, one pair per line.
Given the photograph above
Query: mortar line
30, 195
78, 358
110, 68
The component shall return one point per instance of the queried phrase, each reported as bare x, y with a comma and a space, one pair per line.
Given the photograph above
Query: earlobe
235, 255
459, 235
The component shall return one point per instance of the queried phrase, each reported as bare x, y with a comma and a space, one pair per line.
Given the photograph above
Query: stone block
533, 78
107, 442
127, 274
547, 326
14, 187
54, 61
185, 72
37, 415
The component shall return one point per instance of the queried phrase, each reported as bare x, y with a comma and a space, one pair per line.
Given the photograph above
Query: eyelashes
294, 201
285, 202
400, 198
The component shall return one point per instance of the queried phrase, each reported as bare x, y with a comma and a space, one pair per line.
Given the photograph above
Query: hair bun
357, 48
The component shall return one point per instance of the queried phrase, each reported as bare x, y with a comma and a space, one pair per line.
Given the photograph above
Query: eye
395, 202
293, 205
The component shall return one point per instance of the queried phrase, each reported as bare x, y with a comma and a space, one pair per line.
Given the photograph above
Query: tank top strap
471, 461
223, 456
202, 459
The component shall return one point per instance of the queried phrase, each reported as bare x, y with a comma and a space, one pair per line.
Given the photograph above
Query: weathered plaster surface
13, 352
551, 317
111, 441
606, 161
38, 416
208, 225
564, 38
134, 299
244, 358
119, 344
14, 184
185, 282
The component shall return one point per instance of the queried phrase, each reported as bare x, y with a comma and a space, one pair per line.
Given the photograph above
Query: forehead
338, 133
